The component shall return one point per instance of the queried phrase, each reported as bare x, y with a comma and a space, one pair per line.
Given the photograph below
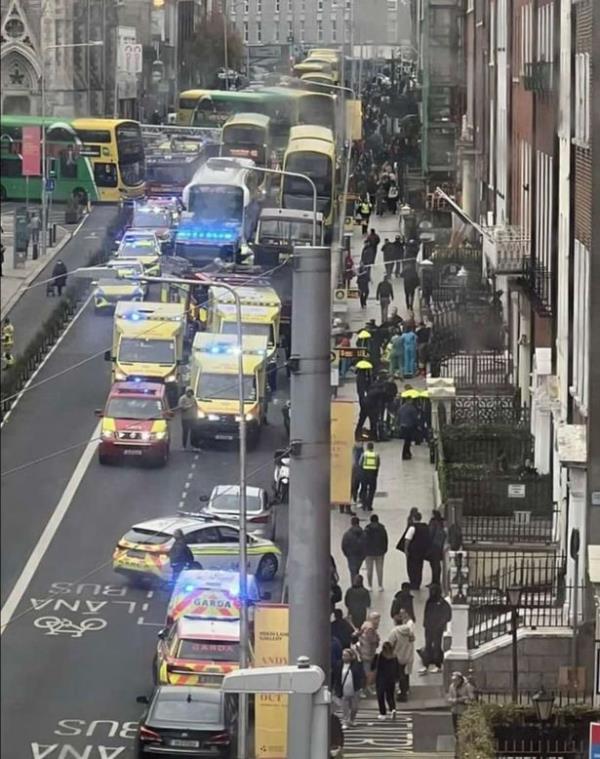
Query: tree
203, 53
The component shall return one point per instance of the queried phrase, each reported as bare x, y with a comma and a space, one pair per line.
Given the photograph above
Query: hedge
15, 377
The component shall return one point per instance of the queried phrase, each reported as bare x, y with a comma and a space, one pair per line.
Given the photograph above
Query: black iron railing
492, 571
537, 283
539, 76
484, 410
509, 529
479, 371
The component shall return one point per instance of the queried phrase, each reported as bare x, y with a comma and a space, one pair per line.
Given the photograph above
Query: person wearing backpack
437, 533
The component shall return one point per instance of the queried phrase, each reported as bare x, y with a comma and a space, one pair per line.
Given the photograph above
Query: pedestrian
411, 282
388, 256
395, 354
59, 276
409, 352
373, 240
460, 694
398, 255
438, 613
180, 554
437, 532
423, 334
341, 628
353, 547
369, 464
417, 543
358, 601
189, 413
34, 226
8, 334
368, 643
348, 681
364, 210
385, 295
408, 420
387, 672
364, 378
355, 483
376, 546
362, 283
402, 640
427, 281
2, 249
348, 270
392, 198
403, 599
8, 359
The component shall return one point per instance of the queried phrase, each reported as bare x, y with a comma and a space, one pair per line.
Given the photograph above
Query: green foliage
475, 734
204, 54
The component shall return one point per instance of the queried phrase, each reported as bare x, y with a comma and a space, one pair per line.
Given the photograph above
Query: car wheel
267, 568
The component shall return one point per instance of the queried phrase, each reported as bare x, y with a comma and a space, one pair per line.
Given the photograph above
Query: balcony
539, 76
536, 281
507, 249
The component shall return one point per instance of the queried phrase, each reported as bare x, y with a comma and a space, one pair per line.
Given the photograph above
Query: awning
460, 213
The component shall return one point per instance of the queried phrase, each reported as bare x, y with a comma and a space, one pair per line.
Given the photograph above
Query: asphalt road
72, 694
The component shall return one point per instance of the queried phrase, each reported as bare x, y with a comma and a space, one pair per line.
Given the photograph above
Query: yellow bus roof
317, 77
248, 119
335, 54
311, 132
100, 123
307, 65
250, 314
249, 296
193, 93
310, 146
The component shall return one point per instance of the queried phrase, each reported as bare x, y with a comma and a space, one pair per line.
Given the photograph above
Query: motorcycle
281, 477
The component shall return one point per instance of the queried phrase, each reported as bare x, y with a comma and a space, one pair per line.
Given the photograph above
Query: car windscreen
217, 203
230, 502
135, 249
248, 328
134, 408
182, 710
169, 174
147, 537
141, 351
209, 649
114, 282
314, 165
285, 231
224, 387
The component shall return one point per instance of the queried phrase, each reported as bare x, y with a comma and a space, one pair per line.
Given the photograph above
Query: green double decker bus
98, 160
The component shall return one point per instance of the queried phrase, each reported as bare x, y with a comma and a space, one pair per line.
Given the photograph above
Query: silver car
224, 505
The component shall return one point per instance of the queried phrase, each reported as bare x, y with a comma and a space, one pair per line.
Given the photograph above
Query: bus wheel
80, 196
2, 192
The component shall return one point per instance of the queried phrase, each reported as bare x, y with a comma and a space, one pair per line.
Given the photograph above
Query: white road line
50, 530
45, 360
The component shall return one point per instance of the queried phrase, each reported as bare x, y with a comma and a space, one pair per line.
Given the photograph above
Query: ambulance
148, 344
210, 594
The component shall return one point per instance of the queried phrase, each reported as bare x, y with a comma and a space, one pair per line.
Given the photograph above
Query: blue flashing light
135, 317
189, 588
136, 379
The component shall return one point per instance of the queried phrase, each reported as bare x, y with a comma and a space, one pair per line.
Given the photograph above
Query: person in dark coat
353, 547
373, 239
398, 255
364, 378
435, 619
408, 421
388, 256
411, 282
363, 278
387, 671
435, 557
358, 602
180, 554
342, 629
348, 679
376, 546
385, 295
416, 547
357, 452
336, 652
59, 276
403, 599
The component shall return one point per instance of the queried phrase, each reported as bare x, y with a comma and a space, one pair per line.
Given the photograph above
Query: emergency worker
369, 465
180, 555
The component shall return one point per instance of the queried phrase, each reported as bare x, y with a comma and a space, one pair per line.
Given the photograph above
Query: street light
45, 49
544, 705
513, 594
232, 163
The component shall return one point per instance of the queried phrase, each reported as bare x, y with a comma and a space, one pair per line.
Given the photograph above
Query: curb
12, 300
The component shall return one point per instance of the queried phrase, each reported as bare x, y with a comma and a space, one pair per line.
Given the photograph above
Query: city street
59, 679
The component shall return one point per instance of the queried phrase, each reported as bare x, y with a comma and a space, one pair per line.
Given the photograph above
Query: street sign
50, 185
594, 740
353, 352
89, 150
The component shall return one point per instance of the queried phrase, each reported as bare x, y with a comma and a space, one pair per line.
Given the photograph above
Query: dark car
187, 722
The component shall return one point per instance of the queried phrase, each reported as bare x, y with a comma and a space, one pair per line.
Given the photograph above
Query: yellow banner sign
342, 442
271, 636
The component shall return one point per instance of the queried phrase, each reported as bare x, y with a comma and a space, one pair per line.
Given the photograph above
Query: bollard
52, 235
34, 252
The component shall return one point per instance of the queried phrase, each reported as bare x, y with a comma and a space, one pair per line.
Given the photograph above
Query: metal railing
479, 371
537, 282
492, 571
548, 608
509, 529
483, 410
525, 698
539, 76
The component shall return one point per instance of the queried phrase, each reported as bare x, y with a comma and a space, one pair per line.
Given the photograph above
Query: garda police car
209, 593
144, 549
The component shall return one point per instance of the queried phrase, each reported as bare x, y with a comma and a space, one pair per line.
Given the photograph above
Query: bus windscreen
217, 203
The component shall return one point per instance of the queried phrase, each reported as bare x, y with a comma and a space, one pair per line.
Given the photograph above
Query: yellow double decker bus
316, 159
247, 135
188, 100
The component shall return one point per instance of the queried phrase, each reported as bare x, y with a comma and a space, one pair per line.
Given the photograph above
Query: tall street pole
309, 519
225, 45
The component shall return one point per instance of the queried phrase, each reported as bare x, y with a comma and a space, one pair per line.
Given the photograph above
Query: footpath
400, 486
23, 295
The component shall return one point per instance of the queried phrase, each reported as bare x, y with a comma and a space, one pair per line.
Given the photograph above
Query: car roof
205, 627
235, 490
127, 389
182, 693
168, 525
212, 579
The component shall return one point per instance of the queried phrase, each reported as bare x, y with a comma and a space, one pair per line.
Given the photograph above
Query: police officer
364, 210
180, 555
8, 334
8, 359
369, 465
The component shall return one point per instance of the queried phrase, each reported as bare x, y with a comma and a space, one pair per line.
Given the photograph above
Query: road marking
45, 360
50, 530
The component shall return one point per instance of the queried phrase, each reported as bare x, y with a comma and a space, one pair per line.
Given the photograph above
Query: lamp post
513, 595
544, 705
229, 163
46, 49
